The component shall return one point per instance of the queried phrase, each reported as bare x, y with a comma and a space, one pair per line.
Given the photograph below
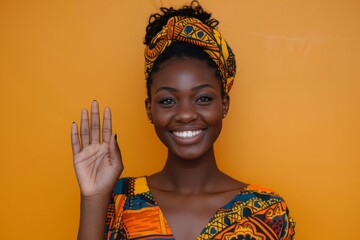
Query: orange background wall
294, 122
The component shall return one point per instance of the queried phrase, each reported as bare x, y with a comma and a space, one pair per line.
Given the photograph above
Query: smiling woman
189, 69
187, 107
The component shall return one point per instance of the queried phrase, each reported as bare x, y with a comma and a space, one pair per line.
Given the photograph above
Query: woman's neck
190, 176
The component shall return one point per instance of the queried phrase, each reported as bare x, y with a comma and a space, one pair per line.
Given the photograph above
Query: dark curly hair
179, 49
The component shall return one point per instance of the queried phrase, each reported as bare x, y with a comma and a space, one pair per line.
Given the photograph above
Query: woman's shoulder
131, 185
262, 192
259, 198
268, 199
262, 208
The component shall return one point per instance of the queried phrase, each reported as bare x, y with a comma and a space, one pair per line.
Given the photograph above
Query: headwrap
192, 30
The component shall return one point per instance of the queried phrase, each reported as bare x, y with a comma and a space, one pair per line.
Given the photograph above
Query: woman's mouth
187, 134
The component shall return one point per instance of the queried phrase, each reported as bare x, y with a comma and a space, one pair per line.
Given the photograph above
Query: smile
186, 134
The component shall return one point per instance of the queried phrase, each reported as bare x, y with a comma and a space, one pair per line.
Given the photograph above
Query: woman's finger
95, 123
75, 143
84, 128
107, 128
115, 154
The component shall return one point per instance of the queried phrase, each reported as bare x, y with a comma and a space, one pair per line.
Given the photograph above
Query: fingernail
115, 137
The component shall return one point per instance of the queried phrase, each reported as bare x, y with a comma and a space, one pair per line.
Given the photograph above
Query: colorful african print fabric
254, 213
192, 30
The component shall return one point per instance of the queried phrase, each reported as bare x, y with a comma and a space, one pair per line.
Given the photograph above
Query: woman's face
186, 106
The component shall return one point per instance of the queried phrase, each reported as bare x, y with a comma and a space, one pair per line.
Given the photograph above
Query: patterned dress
254, 213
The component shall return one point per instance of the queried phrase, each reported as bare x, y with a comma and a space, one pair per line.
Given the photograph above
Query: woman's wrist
97, 197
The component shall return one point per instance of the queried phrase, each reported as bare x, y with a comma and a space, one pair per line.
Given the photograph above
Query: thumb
115, 154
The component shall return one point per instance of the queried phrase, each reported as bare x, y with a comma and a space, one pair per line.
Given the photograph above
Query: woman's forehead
185, 72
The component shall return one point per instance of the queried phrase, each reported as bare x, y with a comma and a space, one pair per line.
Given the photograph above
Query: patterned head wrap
192, 30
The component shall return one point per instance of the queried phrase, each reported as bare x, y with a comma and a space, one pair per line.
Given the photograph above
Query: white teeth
187, 134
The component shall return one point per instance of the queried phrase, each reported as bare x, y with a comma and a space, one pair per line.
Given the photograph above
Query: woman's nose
185, 113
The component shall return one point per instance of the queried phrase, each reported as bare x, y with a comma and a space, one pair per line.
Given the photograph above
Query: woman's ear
225, 104
148, 109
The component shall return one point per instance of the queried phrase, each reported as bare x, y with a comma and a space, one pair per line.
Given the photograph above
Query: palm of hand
94, 171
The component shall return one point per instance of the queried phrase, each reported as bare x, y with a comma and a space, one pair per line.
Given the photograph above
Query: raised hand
98, 164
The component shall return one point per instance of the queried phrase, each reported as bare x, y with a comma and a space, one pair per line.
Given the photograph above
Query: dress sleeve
272, 222
289, 226
278, 218
114, 212
270, 214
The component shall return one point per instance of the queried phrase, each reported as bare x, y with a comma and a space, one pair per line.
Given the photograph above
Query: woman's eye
204, 99
167, 101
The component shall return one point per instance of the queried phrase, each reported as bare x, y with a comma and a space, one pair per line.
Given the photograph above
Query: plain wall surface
293, 125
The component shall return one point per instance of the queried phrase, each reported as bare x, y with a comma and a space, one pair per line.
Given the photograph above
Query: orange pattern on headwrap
192, 30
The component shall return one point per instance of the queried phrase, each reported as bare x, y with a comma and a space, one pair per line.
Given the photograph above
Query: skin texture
98, 166
185, 96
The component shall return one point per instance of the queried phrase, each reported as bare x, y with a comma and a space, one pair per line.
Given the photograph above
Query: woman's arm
93, 217
98, 166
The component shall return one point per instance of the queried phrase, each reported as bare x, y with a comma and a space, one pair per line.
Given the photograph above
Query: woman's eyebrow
170, 89
202, 86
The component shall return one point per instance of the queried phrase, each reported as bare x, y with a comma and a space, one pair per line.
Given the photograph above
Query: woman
189, 71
